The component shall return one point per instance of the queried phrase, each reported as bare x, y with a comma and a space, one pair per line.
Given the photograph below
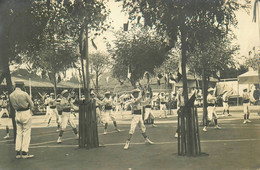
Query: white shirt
20, 99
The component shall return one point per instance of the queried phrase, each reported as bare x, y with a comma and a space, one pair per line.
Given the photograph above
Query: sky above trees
247, 31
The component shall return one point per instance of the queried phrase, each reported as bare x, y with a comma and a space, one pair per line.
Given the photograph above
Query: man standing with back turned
23, 105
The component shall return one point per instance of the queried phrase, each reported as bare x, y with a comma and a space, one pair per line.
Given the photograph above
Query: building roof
249, 77
42, 83
112, 84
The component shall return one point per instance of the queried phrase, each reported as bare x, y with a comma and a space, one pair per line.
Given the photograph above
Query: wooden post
183, 134
190, 141
170, 95
188, 130
178, 131
237, 93
88, 126
95, 128
82, 137
197, 130
204, 91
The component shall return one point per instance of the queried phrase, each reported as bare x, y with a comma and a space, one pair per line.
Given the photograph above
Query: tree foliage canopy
54, 49
99, 62
191, 22
47, 34
196, 16
171, 64
139, 50
217, 55
254, 59
17, 29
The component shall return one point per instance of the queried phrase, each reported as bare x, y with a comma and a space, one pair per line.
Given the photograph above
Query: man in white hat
225, 103
163, 107
53, 111
23, 105
120, 106
211, 100
108, 112
46, 103
4, 110
98, 104
256, 96
66, 117
58, 106
246, 104
136, 104
180, 105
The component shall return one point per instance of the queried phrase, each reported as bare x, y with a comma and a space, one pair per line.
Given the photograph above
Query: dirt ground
235, 146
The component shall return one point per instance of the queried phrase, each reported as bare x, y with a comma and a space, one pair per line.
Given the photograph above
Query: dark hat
19, 83
245, 89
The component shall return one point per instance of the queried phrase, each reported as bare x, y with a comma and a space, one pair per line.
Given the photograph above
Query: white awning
250, 77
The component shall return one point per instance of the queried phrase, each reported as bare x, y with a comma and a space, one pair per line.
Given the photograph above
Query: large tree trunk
183, 63
10, 90
88, 134
188, 122
205, 93
87, 64
82, 53
52, 78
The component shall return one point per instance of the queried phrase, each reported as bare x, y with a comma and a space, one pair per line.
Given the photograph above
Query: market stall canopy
250, 77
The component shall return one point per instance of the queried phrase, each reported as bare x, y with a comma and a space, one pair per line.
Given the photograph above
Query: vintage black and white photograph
129, 84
